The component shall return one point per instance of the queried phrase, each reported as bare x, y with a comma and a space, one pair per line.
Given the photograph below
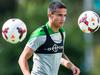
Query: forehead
61, 10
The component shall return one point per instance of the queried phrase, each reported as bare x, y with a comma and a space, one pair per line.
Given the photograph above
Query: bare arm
23, 60
65, 61
68, 64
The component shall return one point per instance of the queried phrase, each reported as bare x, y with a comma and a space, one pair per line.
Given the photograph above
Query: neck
54, 27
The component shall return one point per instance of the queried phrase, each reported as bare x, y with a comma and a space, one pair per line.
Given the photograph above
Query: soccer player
46, 44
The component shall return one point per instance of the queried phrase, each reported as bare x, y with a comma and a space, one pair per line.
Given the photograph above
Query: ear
49, 15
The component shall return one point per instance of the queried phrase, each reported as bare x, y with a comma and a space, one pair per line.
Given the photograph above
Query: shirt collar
49, 28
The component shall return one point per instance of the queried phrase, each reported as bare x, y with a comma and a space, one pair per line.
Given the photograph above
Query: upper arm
27, 53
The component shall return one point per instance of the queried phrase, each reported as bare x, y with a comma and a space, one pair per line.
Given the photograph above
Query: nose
63, 18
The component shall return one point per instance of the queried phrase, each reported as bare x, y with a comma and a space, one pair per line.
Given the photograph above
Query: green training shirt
45, 64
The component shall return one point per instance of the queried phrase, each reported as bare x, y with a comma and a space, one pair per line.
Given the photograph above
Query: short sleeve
36, 42
37, 38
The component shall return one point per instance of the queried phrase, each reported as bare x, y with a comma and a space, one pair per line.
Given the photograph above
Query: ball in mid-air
14, 30
89, 22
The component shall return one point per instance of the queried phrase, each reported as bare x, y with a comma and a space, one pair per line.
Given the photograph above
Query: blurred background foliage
34, 14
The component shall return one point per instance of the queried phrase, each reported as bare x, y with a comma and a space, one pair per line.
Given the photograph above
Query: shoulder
37, 38
37, 35
38, 32
62, 29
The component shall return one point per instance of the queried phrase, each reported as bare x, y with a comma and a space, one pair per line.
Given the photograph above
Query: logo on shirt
54, 48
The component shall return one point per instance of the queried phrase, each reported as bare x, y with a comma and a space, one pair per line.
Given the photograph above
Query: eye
60, 15
65, 15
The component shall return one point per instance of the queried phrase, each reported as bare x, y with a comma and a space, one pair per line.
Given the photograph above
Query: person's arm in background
68, 64
23, 60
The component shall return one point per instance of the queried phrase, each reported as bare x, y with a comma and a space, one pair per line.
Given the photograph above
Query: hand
76, 70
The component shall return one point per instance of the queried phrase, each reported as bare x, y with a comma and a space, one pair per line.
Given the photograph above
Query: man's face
59, 17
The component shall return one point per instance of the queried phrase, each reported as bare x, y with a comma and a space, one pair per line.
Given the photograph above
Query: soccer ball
89, 22
14, 30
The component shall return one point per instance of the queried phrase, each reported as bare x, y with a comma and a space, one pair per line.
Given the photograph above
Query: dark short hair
55, 5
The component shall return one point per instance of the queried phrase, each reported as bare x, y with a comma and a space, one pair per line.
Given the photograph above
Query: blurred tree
7, 6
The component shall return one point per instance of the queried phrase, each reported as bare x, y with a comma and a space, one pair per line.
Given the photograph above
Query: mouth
61, 23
